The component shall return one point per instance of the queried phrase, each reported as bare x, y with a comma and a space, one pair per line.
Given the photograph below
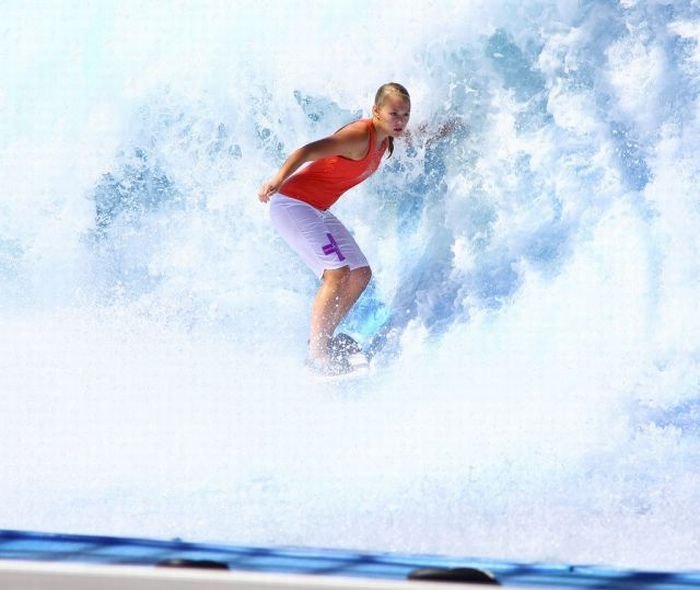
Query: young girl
299, 206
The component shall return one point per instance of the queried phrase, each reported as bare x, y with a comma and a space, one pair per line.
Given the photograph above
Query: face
393, 114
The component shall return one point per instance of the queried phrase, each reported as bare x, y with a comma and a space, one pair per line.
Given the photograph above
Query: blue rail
35, 546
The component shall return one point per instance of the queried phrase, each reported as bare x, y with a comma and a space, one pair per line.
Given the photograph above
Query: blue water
536, 276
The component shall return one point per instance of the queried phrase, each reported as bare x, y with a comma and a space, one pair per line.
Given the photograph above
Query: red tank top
321, 183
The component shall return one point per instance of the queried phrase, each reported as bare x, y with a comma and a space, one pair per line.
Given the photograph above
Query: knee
336, 277
364, 275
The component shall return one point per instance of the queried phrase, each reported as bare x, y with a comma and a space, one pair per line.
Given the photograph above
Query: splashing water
538, 268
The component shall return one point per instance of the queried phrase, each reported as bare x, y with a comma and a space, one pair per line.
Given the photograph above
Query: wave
535, 276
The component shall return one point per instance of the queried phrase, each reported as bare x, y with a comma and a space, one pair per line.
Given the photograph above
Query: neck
379, 135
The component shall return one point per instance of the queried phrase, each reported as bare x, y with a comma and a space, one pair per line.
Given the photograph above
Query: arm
347, 142
427, 136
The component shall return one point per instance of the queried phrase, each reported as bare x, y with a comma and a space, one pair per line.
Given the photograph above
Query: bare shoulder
352, 141
357, 128
355, 133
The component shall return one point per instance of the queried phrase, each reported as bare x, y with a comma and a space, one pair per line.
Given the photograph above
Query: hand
267, 189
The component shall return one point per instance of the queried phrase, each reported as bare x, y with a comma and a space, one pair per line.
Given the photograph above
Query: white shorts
321, 240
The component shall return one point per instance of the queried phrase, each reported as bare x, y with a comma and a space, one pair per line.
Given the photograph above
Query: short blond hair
390, 88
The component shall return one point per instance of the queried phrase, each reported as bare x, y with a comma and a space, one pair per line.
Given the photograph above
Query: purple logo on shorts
331, 247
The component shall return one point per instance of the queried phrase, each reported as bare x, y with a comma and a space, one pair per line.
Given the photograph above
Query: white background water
540, 266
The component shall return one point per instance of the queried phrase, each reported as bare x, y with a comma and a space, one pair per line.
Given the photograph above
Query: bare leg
355, 285
339, 291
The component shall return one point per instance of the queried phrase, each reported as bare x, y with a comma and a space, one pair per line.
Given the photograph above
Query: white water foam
540, 266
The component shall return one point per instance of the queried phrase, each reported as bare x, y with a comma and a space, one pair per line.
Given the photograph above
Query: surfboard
348, 359
348, 352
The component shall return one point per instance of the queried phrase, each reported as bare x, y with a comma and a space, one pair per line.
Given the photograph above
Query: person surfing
300, 199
